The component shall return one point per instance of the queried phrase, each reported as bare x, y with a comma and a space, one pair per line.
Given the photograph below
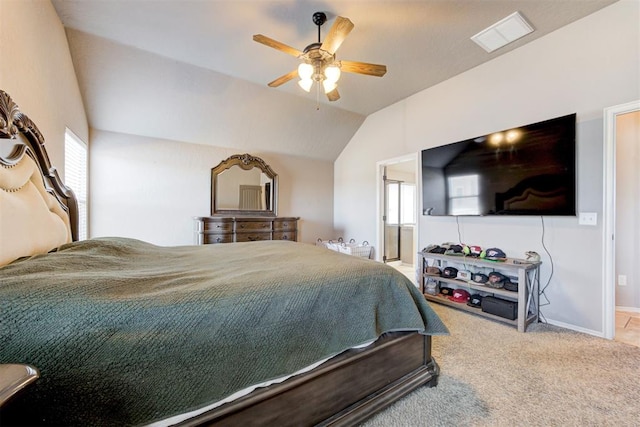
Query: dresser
227, 229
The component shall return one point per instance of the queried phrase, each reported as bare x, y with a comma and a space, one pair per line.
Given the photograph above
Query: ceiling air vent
503, 32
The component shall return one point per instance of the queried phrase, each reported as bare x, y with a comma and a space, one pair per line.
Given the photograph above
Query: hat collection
491, 254
493, 279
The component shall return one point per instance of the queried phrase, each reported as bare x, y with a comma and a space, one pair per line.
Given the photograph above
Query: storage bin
352, 248
500, 307
332, 244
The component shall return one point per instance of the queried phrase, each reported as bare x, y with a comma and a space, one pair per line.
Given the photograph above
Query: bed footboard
342, 392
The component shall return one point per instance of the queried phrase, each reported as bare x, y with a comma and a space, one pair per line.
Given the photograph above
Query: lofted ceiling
188, 70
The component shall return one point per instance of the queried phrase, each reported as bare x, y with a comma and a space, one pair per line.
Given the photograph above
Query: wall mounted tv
528, 170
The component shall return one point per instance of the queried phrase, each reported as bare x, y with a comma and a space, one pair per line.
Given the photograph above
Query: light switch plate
588, 218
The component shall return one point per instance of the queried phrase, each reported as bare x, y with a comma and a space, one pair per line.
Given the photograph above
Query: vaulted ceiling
188, 70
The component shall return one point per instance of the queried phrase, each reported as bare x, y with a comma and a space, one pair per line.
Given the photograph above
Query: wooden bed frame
343, 391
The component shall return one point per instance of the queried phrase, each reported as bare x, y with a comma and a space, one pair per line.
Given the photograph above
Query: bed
124, 332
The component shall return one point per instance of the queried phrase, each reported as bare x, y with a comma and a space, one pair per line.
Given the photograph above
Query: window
406, 205
75, 174
463, 195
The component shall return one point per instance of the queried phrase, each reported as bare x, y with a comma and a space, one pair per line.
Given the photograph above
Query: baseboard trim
598, 334
629, 309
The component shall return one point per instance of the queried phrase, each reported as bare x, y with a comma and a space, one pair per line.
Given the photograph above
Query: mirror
243, 185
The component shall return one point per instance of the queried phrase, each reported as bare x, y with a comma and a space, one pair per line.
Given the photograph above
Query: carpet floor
493, 375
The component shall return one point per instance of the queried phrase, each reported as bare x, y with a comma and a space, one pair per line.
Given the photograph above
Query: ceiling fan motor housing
319, 18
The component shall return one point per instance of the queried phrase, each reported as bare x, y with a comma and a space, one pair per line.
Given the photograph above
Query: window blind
75, 174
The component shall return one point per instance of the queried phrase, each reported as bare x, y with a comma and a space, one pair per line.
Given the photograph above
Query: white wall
37, 72
151, 189
582, 68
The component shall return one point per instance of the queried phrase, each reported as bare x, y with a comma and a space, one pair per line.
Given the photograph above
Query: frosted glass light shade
332, 73
306, 84
305, 71
329, 85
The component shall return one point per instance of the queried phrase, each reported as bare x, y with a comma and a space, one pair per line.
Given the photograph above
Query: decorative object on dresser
228, 229
244, 185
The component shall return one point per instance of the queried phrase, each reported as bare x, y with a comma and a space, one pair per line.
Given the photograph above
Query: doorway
392, 218
396, 223
618, 291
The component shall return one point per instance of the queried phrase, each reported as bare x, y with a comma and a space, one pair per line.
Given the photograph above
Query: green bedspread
126, 333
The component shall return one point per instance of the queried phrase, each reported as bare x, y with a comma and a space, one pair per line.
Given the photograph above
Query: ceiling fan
319, 64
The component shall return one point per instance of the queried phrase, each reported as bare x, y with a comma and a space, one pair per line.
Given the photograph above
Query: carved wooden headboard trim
17, 129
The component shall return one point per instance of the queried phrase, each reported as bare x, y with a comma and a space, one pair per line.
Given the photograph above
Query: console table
527, 275
227, 229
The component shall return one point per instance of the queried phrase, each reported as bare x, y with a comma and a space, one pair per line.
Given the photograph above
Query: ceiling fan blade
283, 79
276, 45
363, 68
333, 95
338, 32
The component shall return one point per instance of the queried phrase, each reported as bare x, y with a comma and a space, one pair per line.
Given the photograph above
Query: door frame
380, 200
609, 215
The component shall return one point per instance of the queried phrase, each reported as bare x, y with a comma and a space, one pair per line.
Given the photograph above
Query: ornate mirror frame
245, 162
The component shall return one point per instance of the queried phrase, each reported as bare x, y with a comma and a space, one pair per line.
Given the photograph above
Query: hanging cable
541, 292
458, 223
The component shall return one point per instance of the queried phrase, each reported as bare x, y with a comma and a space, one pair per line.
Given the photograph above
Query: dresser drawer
252, 236
284, 235
218, 229
253, 226
207, 239
218, 226
285, 225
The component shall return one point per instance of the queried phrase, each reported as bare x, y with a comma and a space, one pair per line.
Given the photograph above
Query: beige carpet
492, 375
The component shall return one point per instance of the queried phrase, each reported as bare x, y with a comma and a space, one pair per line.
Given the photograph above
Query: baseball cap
460, 295
450, 272
454, 250
493, 254
433, 270
435, 249
496, 280
471, 250
510, 286
480, 278
475, 300
446, 291
463, 275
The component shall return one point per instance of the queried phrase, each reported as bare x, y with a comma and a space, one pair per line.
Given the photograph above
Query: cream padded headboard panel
32, 221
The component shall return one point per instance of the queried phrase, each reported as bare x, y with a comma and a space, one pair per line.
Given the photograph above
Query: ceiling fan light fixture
306, 84
328, 85
305, 71
332, 73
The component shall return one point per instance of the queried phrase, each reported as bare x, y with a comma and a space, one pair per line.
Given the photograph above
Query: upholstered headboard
37, 211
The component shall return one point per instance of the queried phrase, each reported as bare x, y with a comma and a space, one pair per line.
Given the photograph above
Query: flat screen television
528, 170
